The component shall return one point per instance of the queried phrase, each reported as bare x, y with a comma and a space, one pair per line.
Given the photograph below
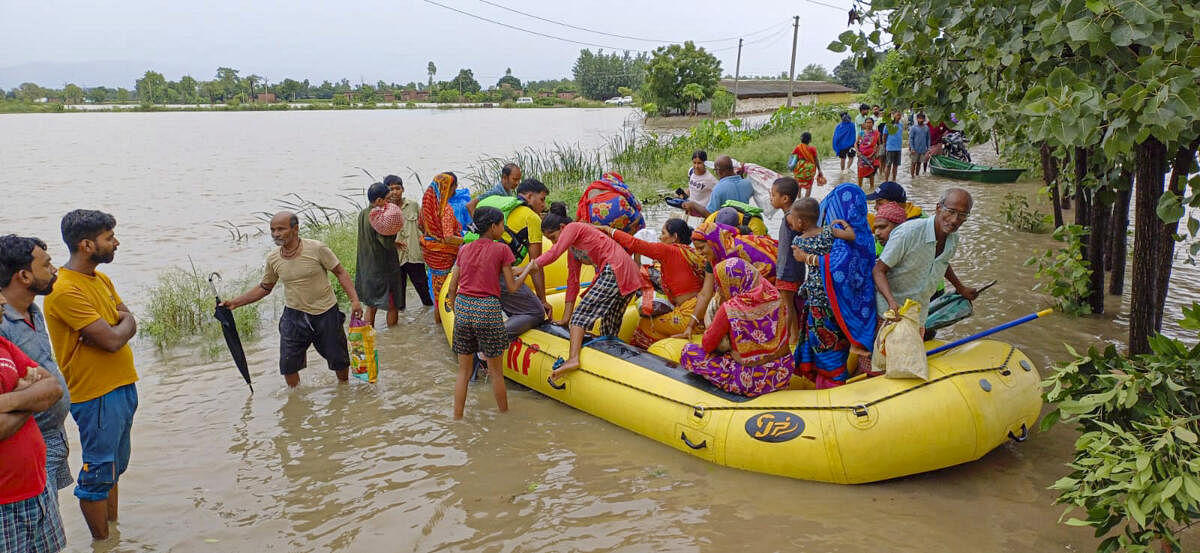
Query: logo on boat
774, 426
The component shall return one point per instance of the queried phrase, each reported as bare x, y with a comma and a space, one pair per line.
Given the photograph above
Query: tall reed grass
180, 311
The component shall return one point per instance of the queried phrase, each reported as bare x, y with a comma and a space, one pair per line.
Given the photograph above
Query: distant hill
110, 73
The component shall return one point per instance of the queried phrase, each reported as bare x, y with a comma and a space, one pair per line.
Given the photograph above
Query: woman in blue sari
844, 323
844, 136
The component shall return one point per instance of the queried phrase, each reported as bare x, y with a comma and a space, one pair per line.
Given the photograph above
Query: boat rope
859, 409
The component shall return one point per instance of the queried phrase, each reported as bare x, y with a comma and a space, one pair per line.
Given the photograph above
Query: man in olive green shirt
310, 316
408, 247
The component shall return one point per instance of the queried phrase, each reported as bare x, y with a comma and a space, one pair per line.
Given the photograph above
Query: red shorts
785, 286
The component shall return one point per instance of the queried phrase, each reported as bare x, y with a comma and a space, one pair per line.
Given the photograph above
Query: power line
578, 28
819, 3
481, 18
775, 35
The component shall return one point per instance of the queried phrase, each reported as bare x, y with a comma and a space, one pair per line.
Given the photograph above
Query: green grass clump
180, 311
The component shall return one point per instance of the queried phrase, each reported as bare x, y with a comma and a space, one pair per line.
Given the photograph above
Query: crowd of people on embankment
796, 305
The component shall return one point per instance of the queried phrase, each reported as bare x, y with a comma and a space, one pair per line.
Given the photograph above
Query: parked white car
525, 100
625, 101
614, 101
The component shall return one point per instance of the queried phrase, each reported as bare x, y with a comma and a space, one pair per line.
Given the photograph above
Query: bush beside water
180, 311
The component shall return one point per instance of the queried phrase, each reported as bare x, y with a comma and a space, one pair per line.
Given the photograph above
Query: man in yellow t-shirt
90, 328
526, 308
310, 315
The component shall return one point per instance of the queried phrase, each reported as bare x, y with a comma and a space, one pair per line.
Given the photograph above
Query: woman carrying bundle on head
680, 275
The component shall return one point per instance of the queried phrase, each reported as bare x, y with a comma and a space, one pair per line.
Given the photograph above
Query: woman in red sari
868, 152
680, 269
442, 233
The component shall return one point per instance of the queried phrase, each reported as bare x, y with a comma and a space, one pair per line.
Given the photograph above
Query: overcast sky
388, 40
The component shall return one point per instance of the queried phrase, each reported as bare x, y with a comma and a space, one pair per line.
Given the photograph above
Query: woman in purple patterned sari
752, 316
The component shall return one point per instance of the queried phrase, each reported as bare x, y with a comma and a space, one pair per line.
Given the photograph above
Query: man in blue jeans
90, 328
893, 134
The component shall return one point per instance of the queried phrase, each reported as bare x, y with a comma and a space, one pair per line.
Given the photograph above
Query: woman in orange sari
442, 233
805, 165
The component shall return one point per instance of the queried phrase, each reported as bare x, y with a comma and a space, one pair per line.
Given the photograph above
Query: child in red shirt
478, 319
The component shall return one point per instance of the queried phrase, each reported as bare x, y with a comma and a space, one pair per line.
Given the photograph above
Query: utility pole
792, 71
737, 72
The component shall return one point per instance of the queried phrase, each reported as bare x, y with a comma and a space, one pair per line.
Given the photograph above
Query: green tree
73, 94
189, 89
673, 67
848, 74
431, 69
123, 95
228, 83
509, 79
251, 81
29, 92
814, 72
151, 88
600, 76
289, 89
885, 78
97, 94
694, 93
448, 96
465, 82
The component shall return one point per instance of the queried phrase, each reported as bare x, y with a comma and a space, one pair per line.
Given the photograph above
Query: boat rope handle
860, 409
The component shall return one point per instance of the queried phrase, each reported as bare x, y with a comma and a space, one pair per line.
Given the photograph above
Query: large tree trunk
1050, 178
1098, 235
1082, 211
1143, 303
1119, 235
1182, 165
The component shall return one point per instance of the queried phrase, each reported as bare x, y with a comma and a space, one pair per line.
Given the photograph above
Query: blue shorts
104, 426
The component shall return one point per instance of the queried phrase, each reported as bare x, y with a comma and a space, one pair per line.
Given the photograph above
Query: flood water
383, 467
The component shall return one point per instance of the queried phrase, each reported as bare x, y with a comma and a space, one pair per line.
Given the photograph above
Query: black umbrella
229, 329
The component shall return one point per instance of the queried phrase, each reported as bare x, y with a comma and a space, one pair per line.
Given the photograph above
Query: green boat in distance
946, 166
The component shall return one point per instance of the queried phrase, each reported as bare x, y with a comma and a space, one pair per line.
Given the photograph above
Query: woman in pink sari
868, 152
759, 359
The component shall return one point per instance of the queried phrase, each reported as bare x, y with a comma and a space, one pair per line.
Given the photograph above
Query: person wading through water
310, 315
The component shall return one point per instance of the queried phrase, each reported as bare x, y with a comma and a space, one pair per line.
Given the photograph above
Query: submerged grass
180, 311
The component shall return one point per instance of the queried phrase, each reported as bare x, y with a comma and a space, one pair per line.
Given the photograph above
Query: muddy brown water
382, 467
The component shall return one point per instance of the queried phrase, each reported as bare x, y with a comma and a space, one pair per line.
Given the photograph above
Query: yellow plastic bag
364, 358
899, 346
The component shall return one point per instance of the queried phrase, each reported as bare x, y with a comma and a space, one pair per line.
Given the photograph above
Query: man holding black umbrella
310, 315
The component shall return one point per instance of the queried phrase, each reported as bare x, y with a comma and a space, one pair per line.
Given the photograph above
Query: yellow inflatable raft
978, 396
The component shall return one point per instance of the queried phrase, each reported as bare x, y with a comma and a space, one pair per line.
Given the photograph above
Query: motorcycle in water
955, 145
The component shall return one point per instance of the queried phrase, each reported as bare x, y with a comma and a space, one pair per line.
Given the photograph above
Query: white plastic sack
900, 347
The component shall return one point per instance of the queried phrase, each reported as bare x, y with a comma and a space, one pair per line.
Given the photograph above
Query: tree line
658, 78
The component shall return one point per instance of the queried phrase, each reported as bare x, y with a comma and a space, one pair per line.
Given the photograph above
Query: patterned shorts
479, 326
602, 302
32, 525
